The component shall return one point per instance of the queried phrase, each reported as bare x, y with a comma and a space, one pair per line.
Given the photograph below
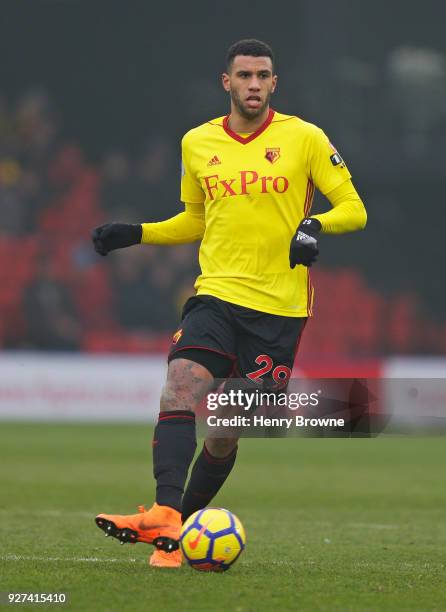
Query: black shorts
234, 341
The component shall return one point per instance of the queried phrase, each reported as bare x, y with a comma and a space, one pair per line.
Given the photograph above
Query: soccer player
247, 185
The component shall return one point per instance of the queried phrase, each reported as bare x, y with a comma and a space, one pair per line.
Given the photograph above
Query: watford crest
272, 155
177, 335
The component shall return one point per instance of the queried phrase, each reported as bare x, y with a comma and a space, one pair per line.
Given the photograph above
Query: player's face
250, 83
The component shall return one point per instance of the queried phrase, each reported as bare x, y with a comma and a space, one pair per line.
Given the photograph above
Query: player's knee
169, 399
186, 385
176, 398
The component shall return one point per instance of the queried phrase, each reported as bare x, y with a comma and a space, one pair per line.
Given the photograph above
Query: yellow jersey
255, 190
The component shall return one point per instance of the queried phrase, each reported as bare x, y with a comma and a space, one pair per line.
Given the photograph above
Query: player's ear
225, 81
274, 85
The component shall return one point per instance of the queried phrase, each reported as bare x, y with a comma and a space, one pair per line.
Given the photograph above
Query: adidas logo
214, 161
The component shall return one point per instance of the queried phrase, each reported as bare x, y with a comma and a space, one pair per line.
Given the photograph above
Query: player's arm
327, 170
348, 213
188, 226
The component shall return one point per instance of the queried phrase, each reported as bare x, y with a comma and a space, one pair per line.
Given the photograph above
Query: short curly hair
248, 46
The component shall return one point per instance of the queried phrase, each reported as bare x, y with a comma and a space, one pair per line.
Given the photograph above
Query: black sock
206, 479
174, 444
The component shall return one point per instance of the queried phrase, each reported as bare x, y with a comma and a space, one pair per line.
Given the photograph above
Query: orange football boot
160, 558
160, 526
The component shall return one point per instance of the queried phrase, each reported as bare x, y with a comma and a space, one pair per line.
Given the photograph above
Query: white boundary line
70, 559
404, 566
329, 525
372, 526
49, 513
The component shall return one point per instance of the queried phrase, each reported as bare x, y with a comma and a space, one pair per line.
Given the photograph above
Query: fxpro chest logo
244, 182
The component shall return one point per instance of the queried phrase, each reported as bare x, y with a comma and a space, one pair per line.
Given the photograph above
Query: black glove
303, 248
113, 236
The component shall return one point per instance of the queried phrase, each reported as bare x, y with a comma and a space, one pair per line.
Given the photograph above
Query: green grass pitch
331, 524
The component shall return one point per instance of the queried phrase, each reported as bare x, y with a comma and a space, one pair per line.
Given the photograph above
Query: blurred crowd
56, 293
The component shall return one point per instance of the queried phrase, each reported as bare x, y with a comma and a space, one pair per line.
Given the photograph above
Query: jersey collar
251, 137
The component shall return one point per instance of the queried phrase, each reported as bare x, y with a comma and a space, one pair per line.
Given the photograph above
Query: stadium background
94, 97
94, 100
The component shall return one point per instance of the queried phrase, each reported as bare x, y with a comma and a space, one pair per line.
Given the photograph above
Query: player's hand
113, 236
303, 248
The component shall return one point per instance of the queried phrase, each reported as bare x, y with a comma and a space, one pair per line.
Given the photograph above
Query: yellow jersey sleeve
186, 227
191, 190
326, 167
348, 213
